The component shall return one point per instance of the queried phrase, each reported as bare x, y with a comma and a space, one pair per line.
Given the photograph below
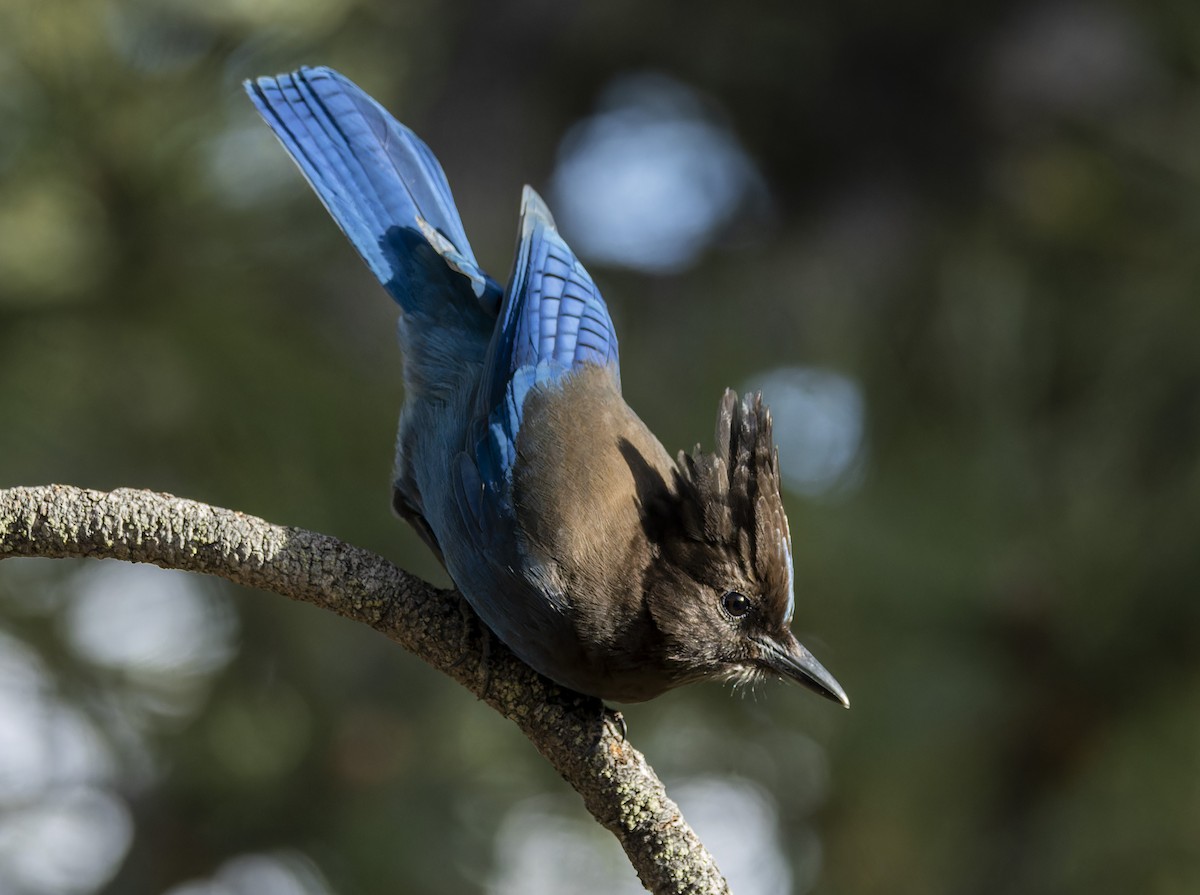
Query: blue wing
380, 182
553, 321
553, 312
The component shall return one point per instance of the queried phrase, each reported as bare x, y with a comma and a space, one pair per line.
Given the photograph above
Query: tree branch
617, 785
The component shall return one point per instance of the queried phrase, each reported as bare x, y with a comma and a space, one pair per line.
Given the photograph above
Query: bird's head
721, 593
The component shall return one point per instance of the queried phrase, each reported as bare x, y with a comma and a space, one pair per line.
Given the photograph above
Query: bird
605, 563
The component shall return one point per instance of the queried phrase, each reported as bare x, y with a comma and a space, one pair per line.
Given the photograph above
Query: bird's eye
735, 604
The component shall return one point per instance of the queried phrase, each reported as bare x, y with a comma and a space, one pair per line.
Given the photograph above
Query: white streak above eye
791, 602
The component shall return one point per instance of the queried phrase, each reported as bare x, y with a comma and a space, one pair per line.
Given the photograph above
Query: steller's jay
602, 562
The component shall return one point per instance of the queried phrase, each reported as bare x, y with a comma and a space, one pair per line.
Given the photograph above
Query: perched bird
603, 562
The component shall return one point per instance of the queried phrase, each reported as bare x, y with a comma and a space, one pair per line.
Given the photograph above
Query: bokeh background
956, 245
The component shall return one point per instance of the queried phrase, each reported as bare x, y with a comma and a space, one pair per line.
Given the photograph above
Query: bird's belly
537, 609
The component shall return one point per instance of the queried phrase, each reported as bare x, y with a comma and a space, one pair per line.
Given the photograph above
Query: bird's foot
618, 721
606, 718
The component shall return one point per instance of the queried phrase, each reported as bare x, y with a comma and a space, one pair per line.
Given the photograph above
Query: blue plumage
600, 560
373, 174
553, 320
557, 311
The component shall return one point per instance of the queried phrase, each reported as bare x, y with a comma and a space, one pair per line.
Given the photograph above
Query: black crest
735, 495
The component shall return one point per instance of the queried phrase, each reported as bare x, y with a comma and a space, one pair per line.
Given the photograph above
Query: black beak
790, 660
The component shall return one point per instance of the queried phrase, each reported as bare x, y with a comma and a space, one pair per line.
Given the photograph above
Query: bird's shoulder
586, 469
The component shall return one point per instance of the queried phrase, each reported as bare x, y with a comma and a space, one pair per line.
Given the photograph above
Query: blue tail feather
374, 175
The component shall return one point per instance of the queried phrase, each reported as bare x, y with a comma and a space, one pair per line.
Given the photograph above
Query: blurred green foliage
986, 214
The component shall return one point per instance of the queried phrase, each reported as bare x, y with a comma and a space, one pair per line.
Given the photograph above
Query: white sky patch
819, 419
43, 743
71, 842
649, 181
245, 165
542, 848
64, 828
279, 873
738, 822
546, 845
147, 620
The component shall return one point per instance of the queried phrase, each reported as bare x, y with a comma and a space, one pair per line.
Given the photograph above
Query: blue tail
381, 183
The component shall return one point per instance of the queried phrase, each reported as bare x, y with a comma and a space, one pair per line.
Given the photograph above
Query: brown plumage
597, 558
673, 570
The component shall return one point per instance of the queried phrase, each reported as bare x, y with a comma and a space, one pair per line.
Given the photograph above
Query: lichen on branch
573, 732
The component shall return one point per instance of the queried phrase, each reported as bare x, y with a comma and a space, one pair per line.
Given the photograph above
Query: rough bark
573, 732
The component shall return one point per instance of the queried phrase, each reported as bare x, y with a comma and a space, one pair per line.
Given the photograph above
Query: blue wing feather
553, 320
373, 174
554, 309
